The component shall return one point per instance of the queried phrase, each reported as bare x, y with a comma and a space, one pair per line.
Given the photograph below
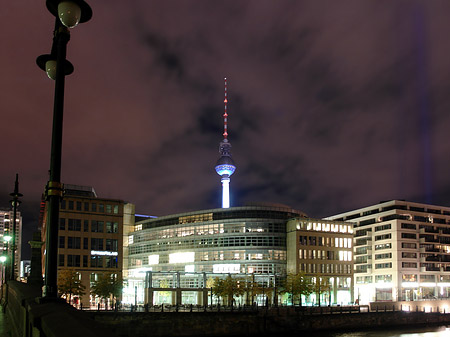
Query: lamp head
47, 63
2, 258
7, 238
70, 12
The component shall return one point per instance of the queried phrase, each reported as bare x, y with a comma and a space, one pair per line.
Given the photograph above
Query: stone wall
272, 322
31, 316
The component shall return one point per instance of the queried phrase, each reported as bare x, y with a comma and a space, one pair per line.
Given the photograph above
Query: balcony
432, 269
433, 250
432, 258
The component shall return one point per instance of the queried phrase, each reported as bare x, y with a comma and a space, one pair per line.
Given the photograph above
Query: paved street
4, 326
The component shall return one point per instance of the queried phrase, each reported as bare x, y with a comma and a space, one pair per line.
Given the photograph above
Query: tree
321, 285
297, 285
228, 288
107, 285
69, 284
263, 288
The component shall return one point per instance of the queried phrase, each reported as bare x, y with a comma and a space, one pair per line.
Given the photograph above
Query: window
382, 237
409, 236
112, 245
85, 261
383, 278
409, 265
383, 265
74, 225
111, 262
364, 279
86, 226
108, 227
94, 207
427, 278
382, 228
62, 242
96, 261
73, 260
78, 205
409, 278
85, 243
96, 244
63, 204
383, 256
108, 209
409, 245
62, 224
71, 204
116, 209
383, 246
97, 226
101, 208
115, 227
73, 242
61, 260
361, 250
409, 255
408, 226
303, 240
86, 207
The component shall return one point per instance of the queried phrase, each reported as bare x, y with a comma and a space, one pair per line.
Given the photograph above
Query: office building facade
6, 228
90, 235
401, 251
322, 249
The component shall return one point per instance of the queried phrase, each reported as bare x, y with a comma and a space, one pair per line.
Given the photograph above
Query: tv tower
225, 165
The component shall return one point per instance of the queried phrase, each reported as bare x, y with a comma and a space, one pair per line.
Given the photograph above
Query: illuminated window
153, 259
189, 268
228, 268
181, 257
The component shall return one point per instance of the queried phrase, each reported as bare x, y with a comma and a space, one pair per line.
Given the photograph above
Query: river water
441, 331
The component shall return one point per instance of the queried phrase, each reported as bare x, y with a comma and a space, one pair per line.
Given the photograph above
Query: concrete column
149, 294
35, 276
200, 297
352, 293
174, 296
177, 297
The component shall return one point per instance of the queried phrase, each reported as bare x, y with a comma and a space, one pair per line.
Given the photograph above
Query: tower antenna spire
225, 165
225, 114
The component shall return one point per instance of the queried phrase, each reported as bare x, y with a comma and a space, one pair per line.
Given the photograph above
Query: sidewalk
5, 330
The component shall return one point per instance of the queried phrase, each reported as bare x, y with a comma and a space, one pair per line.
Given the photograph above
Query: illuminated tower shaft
225, 165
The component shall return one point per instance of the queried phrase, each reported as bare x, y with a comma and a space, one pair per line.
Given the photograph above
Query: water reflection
443, 331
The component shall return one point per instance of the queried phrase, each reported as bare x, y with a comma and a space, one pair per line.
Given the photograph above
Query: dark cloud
332, 104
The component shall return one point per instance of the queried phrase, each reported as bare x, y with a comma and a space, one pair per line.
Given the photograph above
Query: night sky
333, 105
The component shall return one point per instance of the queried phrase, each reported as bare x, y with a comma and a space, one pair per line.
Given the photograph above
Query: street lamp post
15, 202
68, 14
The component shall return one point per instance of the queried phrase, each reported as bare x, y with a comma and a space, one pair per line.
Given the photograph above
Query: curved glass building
185, 250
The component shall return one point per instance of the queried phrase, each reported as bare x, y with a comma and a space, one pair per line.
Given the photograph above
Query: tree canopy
228, 288
107, 285
69, 284
297, 285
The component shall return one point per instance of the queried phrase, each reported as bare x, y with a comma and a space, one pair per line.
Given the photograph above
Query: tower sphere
225, 166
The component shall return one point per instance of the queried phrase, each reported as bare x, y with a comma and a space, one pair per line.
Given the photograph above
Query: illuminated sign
105, 253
